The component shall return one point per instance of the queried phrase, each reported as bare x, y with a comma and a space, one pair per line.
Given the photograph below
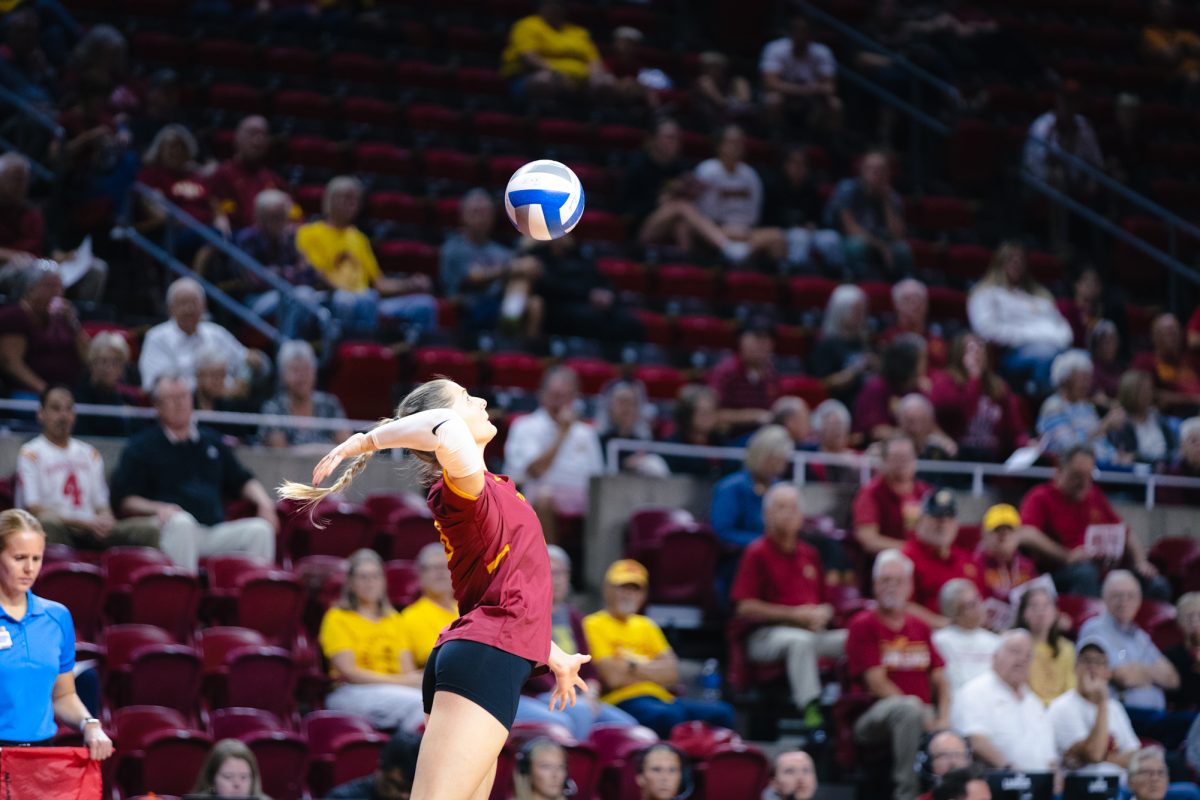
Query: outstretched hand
566, 673
356, 445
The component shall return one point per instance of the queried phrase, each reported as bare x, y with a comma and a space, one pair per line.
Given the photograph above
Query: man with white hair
170, 348
965, 644
910, 300
297, 397
1140, 672
1067, 418
915, 418
891, 654
1188, 465
1148, 774
779, 593
1002, 718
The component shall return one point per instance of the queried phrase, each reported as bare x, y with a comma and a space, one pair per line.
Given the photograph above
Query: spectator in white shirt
966, 646
732, 196
170, 347
553, 454
1002, 718
60, 480
799, 78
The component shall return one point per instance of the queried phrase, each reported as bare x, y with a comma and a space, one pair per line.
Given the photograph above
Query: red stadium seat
452, 165
236, 723
515, 371
811, 390
454, 364
646, 526
662, 383
947, 304
734, 770
304, 104
684, 280
79, 587
1171, 553
217, 642
384, 159
621, 137
118, 564
499, 125
563, 133
225, 54
282, 763
255, 677
974, 155
601, 226
296, 61
310, 199
594, 373
171, 761
750, 288
371, 111
1046, 267
657, 327
810, 293
421, 75
1080, 609
792, 340
685, 567
225, 576
402, 582
408, 531
363, 376
342, 748
707, 333
132, 728
927, 255
501, 168
486, 82
166, 597
409, 257
145, 667
359, 68
435, 119
624, 275
879, 296
967, 260
272, 603
405, 209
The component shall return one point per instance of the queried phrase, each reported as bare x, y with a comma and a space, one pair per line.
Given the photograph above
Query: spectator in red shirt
236, 182
21, 222
779, 591
935, 558
904, 369
891, 654
1058, 514
1004, 567
746, 382
1176, 372
886, 510
910, 299
973, 404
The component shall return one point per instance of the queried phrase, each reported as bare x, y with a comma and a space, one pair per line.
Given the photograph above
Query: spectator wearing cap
1053, 670
934, 556
910, 301
779, 593
392, 779
238, 181
1140, 672
793, 777
1068, 418
634, 661
890, 653
1005, 722
886, 510
746, 382
870, 215
1185, 655
966, 646
1004, 566
1058, 514
799, 78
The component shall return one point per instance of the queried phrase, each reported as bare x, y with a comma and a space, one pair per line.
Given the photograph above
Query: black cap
940, 503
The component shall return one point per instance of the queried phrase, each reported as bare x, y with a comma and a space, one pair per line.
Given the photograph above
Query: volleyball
544, 200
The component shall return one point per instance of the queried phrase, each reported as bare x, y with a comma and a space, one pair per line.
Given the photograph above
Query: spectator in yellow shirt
634, 660
366, 643
342, 256
1165, 42
548, 55
436, 607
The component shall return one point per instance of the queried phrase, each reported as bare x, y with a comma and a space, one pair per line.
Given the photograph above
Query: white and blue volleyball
544, 200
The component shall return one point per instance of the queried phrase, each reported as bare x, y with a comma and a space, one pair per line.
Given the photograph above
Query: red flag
49, 773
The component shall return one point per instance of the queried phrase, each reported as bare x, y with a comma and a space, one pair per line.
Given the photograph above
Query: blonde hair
1130, 385
523, 777
995, 274
223, 751
108, 340
432, 394
767, 441
359, 557
17, 520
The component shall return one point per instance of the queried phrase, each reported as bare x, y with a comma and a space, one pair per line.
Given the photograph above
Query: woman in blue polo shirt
37, 648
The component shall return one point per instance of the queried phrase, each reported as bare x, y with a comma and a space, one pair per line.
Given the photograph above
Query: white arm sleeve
439, 430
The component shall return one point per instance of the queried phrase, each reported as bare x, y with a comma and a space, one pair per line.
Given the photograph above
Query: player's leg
458, 751
485, 789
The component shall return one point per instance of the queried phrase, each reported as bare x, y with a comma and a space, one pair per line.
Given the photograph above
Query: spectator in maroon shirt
1108, 365
886, 510
21, 222
1087, 305
41, 341
910, 300
903, 370
1176, 372
236, 182
746, 382
974, 405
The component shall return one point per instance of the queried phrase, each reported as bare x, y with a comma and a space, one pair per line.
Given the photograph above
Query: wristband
87, 721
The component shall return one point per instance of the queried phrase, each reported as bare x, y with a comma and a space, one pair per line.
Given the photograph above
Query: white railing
224, 417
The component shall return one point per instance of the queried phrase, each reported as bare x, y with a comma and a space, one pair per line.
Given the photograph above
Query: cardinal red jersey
499, 567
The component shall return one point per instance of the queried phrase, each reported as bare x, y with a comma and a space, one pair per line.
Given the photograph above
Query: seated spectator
214, 392
271, 241
1140, 672
831, 424
736, 514
1145, 434
965, 645
1053, 670
842, 355
342, 254
1148, 774
793, 777
660, 769
297, 397
24, 64
170, 348
1185, 656
902, 369
1068, 419
231, 770
365, 642
568, 629
22, 225
1005, 722
60, 480
910, 301
1176, 372
392, 779
1058, 514
973, 404
1193, 331
41, 340
236, 182
719, 95
886, 510
935, 557
547, 55
435, 608
540, 772
107, 360
791, 413
916, 420
552, 453
746, 382
578, 298
1004, 567
779, 595
890, 653
731, 196
1009, 308
870, 215
799, 78
1166, 42
695, 423
945, 752
629, 79
181, 475
1088, 305
794, 206
1187, 465
494, 286
623, 418
634, 661
1108, 365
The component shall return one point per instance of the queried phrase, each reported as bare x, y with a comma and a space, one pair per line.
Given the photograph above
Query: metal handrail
33, 112
220, 417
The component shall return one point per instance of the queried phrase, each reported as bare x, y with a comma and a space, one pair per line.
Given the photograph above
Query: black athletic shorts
487, 676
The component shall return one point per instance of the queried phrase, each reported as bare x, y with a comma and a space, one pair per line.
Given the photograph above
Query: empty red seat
171, 761
811, 390
403, 582
686, 281
217, 642
166, 597
118, 564
624, 275
421, 75
342, 747
944, 214
1170, 554
405, 209
371, 111
657, 327
563, 132
451, 165
927, 255
1080, 609
384, 159
501, 168
282, 759
435, 119
408, 530
810, 292
1046, 267
752, 288
621, 137
646, 526
259, 677
446, 213
879, 296
734, 770
594, 373
500, 125
967, 260
236, 98
409, 257
705, 332
661, 382
298, 61
311, 199
685, 567
272, 602
359, 68
792, 340
453, 364
481, 81
363, 375
145, 667
235, 723
601, 226
946, 303
304, 104
314, 151
79, 587
225, 54
515, 371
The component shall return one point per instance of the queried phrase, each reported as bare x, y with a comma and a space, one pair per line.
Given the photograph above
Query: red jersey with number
499, 567
907, 654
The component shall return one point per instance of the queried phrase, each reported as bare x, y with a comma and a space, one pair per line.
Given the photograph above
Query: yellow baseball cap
627, 571
1000, 515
